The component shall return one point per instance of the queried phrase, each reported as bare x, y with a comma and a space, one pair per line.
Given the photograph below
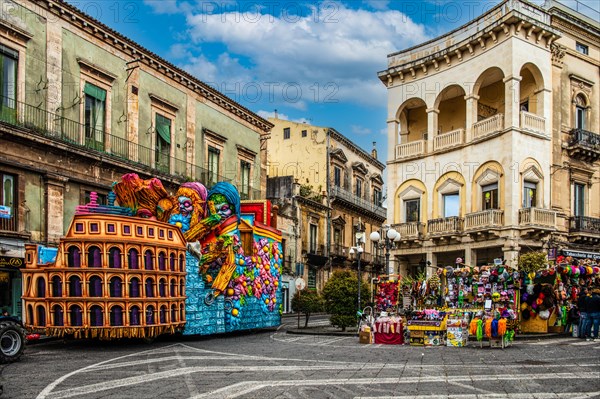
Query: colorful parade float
196, 262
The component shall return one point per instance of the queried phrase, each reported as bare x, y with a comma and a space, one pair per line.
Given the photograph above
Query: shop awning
581, 254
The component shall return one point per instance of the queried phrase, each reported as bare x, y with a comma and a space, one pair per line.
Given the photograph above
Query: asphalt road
273, 364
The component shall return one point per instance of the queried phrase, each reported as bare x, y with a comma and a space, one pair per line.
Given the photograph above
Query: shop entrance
486, 256
10, 292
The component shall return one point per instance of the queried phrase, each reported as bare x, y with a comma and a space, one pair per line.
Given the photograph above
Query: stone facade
474, 139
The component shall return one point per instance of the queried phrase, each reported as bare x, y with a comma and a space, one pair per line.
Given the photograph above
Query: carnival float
149, 263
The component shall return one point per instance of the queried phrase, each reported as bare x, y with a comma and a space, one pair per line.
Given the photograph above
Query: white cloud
378, 4
360, 130
271, 114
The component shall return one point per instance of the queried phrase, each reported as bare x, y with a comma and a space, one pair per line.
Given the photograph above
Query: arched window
133, 258
75, 316
56, 287
57, 315
173, 313
580, 112
116, 316
181, 263
74, 286
134, 316
182, 288
74, 257
134, 287
96, 316
116, 290
149, 288
162, 261
41, 287
148, 260
95, 286
30, 314
114, 258
94, 257
181, 313
172, 262
163, 314
41, 316
173, 288
162, 288
150, 315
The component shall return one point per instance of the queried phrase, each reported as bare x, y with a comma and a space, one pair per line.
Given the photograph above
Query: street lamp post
391, 238
358, 250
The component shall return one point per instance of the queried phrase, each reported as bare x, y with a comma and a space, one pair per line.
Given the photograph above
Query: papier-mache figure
218, 235
188, 205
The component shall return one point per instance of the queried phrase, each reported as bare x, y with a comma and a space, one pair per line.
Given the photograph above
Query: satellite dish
300, 284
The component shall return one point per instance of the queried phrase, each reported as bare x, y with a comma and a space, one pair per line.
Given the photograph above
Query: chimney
295, 188
374, 150
276, 114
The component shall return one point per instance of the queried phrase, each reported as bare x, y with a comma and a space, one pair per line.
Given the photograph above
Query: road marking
330, 341
545, 395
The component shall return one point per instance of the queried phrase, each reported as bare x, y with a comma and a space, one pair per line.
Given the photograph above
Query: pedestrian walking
593, 309
583, 316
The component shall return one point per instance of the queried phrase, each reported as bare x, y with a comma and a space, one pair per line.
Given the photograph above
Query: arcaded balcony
445, 226
537, 217
488, 126
410, 230
449, 139
484, 219
533, 123
414, 148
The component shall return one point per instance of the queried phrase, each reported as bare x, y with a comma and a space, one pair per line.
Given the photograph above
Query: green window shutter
163, 127
94, 91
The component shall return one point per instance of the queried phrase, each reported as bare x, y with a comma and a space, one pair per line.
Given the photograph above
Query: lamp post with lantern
390, 240
358, 250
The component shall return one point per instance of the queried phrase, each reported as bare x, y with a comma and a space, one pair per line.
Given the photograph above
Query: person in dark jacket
583, 316
592, 304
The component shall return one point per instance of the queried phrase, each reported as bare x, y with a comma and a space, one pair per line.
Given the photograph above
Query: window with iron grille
8, 199
8, 84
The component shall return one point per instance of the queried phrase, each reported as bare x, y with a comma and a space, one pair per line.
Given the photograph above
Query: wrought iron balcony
339, 250
584, 145
584, 229
360, 204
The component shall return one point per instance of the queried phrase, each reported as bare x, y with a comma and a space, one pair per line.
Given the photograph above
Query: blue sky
311, 61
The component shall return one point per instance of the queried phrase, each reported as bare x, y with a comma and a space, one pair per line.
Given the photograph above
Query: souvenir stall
388, 326
427, 327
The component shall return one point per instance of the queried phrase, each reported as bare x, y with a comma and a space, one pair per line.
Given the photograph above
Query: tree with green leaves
341, 297
307, 302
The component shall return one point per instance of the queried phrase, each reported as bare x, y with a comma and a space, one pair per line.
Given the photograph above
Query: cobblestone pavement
274, 364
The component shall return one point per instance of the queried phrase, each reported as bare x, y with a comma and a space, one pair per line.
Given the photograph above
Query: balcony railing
449, 139
484, 219
75, 134
347, 196
9, 224
585, 224
318, 249
443, 226
489, 125
410, 230
537, 217
584, 145
339, 250
410, 149
533, 122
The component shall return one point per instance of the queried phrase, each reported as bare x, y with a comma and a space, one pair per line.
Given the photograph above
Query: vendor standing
584, 324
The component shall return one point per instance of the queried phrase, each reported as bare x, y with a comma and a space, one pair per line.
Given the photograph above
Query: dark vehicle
12, 339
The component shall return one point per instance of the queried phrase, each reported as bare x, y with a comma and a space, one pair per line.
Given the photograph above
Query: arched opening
162, 261
134, 287
181, 263
56, 287
74, 257
172, 262
116, 287
114, 258
150, 320
41, 316
490, 108
173, 288
162, 288
133, 259
181, 313
451, 119
148, 260
173, 313
40, 287
531, 100
96, 319
149, 288
412, 120
95, 287
94, 256
30, 314
134, 316
75, 316
181, 287
116, 316
163, 314
57, 316
74, 286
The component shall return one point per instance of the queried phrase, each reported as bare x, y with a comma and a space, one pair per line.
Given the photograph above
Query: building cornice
356, 149
78, 19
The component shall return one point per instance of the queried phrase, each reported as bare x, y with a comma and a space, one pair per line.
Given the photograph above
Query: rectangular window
529, 194
163, 143
412, 210
578, 199
489, 196
377, 197
8, 84
580, 121
8, 212
286, 133
213, 165
451, 204
358, 188
304, 133
582, 48
244, 180
94, 116
313, 239
337, 176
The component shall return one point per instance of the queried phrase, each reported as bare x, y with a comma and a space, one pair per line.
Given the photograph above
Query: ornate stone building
493, 141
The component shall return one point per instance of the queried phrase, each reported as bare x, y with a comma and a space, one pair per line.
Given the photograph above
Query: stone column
471, 116
54, 68
512, 97
54, 192
470, 256
393, 139
432, 259
432, 128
